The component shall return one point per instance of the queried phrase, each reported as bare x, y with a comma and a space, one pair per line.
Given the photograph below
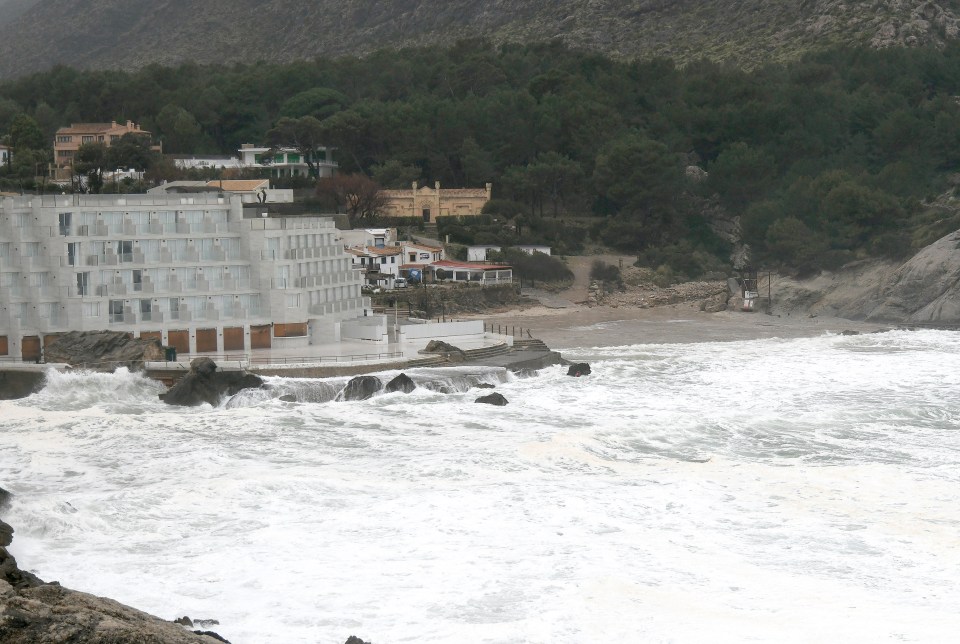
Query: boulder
447, 350
401, 383
288, 398
485, 385
353, 639
492, 399
361, 388
103, 350
206, 384
578, 369
20, 383
715, 303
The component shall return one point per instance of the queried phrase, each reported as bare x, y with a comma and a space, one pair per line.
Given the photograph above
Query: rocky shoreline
33, 611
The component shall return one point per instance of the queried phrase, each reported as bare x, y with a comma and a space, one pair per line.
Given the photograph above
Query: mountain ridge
127, 34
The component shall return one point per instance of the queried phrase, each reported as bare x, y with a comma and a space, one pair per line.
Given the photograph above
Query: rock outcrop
35, 612
923, 290
402, 383
205, 383
578, 369
361, 388
492, 399
103, 350
447, 350
19, 383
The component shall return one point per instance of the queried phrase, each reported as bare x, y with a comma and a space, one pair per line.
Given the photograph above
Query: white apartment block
189, 270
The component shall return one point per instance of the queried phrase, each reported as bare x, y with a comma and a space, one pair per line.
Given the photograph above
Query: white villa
287, 162
190, 270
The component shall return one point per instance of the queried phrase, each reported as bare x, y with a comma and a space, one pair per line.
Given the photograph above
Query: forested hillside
825, 159
127, 34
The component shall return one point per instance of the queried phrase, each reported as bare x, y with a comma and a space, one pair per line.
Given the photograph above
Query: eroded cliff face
923, 290
133, 33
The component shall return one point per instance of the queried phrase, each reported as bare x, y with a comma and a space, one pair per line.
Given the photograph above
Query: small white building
481, 253
5, 155
287, 162
377, 237
378, 266
250, 191
471, 272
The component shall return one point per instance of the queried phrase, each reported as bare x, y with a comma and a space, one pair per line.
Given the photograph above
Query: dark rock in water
184, 621
353, 639
103, 350
205, 384
20, 384
288, 398
578, 369
485, 385
215, 636
401, 383
4, 498
9, 571
492, 399
206, 623
361, 388
849, 332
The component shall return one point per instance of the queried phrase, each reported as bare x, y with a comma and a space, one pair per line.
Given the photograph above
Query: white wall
440, 329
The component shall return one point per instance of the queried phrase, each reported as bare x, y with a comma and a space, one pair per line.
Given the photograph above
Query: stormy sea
773, 490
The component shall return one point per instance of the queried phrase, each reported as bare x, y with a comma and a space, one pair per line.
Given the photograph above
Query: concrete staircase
534, 344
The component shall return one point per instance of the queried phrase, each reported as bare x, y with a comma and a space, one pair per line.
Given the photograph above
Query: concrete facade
189, 270
430, 203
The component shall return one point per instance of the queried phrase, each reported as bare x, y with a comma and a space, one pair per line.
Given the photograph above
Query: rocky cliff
133, 33
35, 612
925, 289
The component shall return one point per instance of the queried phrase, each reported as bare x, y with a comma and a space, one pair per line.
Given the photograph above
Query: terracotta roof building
69, 139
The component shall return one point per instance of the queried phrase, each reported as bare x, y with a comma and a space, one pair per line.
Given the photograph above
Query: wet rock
361, 388
578, 369
492, 399
213, 635
849, 332
447, 350
288, 398
34, 612
206, 623
401, 383
103, 350
205, 383
353, 639
16, 384
184, 621
485, 385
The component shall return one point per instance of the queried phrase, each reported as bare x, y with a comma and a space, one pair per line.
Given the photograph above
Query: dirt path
580, 265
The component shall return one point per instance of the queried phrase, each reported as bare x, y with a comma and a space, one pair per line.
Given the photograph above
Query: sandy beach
582, 326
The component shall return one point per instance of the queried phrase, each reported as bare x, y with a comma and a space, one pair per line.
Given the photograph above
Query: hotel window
116, 310
64, 138
87, 139
91, 309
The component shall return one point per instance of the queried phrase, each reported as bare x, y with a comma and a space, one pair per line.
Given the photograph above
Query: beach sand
581, 326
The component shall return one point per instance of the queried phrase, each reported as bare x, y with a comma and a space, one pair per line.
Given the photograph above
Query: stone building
431, 203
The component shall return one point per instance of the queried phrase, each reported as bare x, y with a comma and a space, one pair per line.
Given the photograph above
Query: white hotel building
191, 270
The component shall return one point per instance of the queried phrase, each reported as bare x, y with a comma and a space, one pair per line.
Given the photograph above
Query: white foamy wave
777, 490
120, 391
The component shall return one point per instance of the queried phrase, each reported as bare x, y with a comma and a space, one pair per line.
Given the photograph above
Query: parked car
400, 282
